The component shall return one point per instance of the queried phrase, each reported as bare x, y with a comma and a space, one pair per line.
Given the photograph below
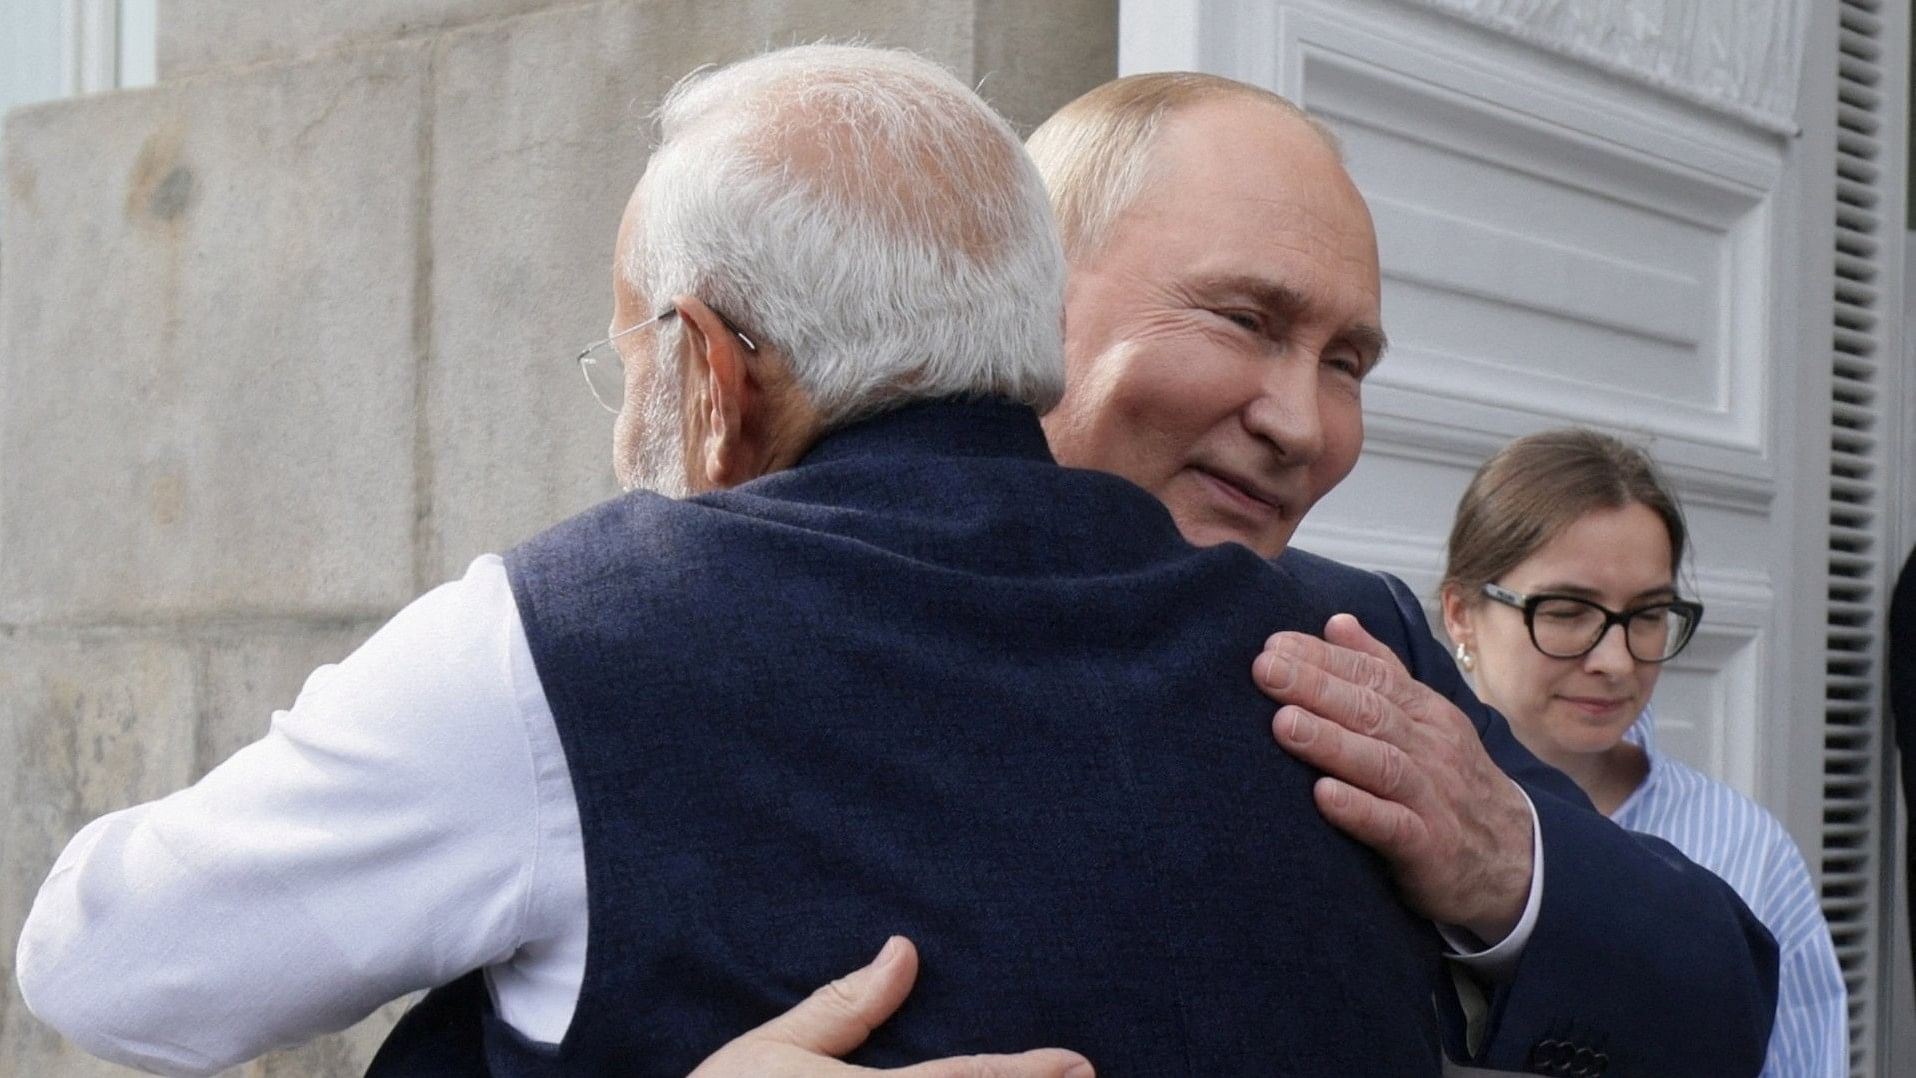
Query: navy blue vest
928, 682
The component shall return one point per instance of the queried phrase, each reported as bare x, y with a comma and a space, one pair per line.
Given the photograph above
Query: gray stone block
528, 165
196, 36
207, 346
1030, 59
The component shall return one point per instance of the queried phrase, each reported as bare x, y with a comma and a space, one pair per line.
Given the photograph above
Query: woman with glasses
1561, 595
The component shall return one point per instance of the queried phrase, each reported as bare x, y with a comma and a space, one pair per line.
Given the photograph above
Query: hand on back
837, 1018
1405, 773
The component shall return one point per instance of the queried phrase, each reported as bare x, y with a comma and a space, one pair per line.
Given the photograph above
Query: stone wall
287, 339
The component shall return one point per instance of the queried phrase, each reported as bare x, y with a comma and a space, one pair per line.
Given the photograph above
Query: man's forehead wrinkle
1293, 289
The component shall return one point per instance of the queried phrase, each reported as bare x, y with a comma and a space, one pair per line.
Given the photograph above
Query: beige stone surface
207, 356
1030, 59
196, 36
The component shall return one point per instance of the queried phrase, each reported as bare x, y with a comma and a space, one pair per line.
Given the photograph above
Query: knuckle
1386, 830
838, 997
1401, 832
1370, 714
1392, 772
839, 993
1370, 672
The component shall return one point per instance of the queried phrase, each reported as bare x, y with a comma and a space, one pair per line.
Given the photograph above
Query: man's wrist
1499, 960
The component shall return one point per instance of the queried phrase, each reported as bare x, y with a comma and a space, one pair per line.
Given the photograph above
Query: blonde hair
1095, 153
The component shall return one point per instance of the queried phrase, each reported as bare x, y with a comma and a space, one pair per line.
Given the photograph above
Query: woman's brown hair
1540, 484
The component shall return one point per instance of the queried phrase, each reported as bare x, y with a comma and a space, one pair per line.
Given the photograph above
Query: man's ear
727, 405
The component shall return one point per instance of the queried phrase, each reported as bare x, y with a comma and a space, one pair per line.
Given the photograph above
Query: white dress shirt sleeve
382, 837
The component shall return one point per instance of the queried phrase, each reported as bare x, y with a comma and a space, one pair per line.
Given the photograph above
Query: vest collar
938, 428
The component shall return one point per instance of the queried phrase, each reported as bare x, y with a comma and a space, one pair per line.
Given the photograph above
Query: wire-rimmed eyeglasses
604, 367
1569, 627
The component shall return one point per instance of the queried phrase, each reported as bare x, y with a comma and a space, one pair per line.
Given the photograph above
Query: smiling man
1223, 306
1222, 310
1219, 330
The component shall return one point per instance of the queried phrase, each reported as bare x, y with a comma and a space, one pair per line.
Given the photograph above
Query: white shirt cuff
1499, 962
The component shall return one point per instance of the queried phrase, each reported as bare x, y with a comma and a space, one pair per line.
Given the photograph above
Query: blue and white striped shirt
1735, 838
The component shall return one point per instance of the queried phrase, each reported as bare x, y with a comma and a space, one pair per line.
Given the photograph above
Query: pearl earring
1464, 660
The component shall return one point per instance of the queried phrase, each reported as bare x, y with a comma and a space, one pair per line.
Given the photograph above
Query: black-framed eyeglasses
1568, 627
604, 367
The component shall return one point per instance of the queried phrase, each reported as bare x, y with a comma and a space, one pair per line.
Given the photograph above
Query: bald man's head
1222, 301
1097, 154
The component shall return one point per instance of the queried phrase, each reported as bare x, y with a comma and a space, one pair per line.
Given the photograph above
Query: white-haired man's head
863, 218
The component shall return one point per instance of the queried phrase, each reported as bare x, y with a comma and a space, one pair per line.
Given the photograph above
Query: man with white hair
885, 669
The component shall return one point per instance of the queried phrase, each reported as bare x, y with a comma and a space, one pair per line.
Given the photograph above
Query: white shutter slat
1853, 790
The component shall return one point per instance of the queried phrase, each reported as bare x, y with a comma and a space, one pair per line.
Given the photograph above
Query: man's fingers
1043, 1063
1375, 766
1346, 631
1288, 674
1297, 668
1350, 677
1384, 826
1355, 657
838, 1017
